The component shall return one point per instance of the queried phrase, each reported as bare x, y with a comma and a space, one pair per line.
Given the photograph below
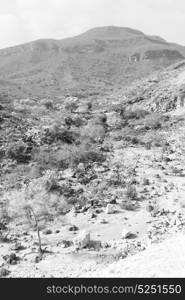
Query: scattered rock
17, 247
66, 243
98, 211
38, 258
146, 181
4, 272
11, 259
150, 207
82, 240
127, 234
47, 231
73, 228
93, 215
110, 209
96, 245
103, 221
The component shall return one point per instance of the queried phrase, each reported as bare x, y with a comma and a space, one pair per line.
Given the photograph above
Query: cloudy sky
25, 20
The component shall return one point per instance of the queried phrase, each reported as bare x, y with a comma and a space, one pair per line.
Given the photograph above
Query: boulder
4, 272
110, 209
127, 234
82, 240
73, 228
47, 231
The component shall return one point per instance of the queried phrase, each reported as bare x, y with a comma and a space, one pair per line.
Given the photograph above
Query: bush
18, 151
94, 132
67, 156
133, 114
131, 192
57, 133
47, 103
77, 121
155, 121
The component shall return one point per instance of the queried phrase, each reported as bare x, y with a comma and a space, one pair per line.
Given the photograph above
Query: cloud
24, 20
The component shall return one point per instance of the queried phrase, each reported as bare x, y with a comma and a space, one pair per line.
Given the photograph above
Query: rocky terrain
93, 185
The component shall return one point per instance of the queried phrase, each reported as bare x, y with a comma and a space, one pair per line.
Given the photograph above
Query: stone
73, 228
82, 240
110, 209
146, 181
17, 246
113, 201
150, 207
103, 221
4, 272
66, 243
93, 215
47, 231
127, 234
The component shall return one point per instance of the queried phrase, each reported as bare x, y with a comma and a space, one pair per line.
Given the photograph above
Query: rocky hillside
94, 62
101, 181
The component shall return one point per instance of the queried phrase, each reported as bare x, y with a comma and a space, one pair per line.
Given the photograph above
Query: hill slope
98, 60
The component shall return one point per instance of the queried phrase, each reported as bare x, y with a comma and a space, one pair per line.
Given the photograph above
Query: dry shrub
39, 195
93, 132
133, 114
67, 156
131, 191
18, 151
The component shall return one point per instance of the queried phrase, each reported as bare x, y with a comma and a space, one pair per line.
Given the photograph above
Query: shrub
77, 121
155, 121
133, 114
94, 132
18, 151
67, 156
57, 133
131, 192
47, 103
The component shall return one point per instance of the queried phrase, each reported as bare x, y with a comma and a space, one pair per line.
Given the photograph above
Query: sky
22, 21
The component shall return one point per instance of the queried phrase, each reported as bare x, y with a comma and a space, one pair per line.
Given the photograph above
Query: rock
47, 231
81, 167
113, 201
85, 208
92, 215
127, 234
73, 228
66, 243
149, 207
4, 272
68, 173
82, 240
98, 211
17, 246
103, 221
96, 245
110, 209
11, 259
105, 245
146, 181
38, 258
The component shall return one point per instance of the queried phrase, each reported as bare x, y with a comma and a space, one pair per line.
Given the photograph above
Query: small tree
31, 214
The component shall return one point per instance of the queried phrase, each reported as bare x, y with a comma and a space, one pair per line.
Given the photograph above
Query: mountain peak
111, 32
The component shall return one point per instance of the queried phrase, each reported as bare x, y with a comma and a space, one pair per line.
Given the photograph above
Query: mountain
96, 61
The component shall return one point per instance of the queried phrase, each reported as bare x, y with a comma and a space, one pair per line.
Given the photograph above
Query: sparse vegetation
77, 152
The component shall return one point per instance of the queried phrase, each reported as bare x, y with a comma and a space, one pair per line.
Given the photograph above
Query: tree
31, 214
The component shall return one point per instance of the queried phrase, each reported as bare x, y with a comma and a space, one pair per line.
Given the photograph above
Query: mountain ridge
102, 58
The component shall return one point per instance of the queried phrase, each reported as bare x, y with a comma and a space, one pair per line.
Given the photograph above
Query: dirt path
161, 260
